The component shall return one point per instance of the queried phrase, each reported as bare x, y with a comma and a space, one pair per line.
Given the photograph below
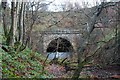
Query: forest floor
111, 71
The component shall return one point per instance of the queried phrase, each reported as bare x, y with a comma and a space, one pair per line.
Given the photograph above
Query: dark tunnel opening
59, 45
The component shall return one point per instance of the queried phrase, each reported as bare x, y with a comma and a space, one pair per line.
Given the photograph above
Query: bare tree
91, 27
11, 35
4, 6
20, 23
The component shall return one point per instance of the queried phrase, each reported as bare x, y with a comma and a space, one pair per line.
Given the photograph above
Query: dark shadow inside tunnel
59, 45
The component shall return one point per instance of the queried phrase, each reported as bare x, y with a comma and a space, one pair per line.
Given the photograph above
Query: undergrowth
25, 64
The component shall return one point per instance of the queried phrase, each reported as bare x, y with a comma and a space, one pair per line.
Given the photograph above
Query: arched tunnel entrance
59, 48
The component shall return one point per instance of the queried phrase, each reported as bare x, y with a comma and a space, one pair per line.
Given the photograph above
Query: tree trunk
4, 23
23, 39
4, 17
16, 20
11, 36
84, 44
20, 23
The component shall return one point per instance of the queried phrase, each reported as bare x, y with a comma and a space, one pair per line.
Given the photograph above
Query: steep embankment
108, 59
108, 54
25, 64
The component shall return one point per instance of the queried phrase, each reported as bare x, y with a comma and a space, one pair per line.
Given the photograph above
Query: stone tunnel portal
59, 47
